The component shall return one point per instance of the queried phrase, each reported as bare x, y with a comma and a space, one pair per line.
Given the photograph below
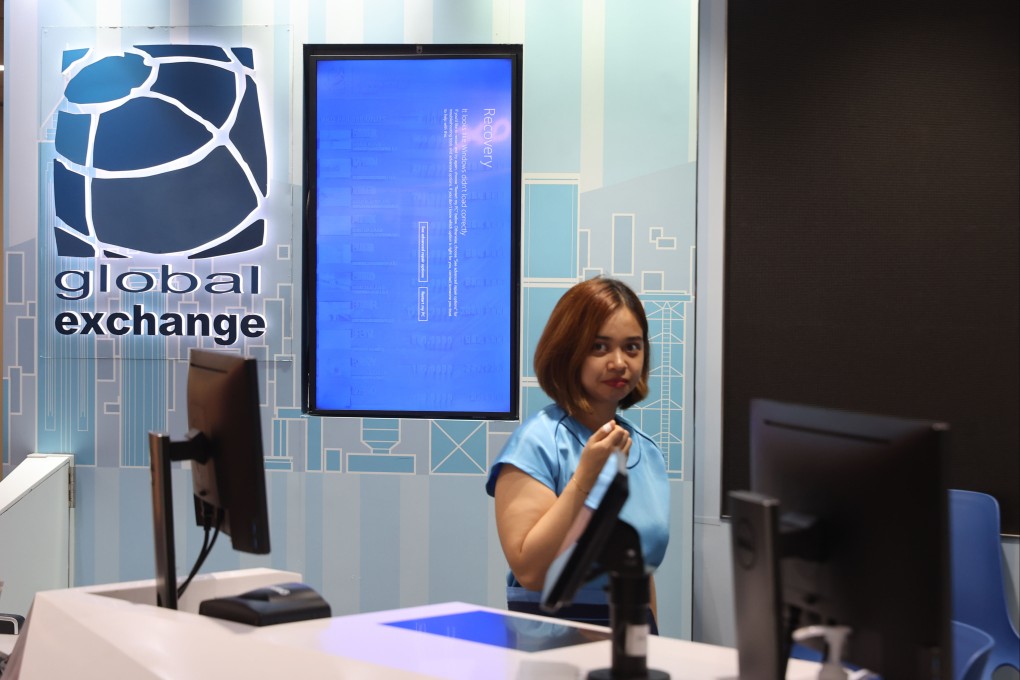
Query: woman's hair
570, 333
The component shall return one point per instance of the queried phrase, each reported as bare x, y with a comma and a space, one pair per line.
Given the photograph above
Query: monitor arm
195, 446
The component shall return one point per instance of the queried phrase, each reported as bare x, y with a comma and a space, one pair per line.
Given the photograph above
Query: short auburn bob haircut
570, 334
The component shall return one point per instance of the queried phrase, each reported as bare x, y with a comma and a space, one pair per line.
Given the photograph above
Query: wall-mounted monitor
412, 210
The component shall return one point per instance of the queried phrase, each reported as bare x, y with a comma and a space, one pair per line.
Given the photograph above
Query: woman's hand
608, 439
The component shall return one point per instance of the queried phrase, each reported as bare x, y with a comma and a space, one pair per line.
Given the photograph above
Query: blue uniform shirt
547, 446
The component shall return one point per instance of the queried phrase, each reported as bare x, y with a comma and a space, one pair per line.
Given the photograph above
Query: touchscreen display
505, 630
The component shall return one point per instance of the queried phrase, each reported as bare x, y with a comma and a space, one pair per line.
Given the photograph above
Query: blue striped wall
375, 513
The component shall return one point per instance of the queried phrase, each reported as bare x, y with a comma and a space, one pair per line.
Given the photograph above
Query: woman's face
613, 366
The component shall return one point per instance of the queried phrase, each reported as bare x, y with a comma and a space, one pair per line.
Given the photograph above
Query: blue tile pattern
458, 447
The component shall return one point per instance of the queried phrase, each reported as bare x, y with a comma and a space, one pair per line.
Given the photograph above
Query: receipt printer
283, 603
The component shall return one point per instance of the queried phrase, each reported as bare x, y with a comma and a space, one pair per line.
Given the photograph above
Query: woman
592, 359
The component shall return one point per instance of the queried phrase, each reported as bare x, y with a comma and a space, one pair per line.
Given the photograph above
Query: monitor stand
163, 450
629, 595
762, 644
163, 520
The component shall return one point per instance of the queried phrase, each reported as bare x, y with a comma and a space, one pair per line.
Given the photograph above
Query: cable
207, 546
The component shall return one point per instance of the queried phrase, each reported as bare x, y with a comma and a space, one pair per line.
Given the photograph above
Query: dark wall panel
873, 221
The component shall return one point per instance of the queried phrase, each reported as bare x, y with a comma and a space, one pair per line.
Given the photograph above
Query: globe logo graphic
159, 150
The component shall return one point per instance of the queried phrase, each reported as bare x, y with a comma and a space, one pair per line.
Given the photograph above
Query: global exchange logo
159, 150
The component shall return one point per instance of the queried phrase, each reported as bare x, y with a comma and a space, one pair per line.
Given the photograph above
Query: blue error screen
414, 236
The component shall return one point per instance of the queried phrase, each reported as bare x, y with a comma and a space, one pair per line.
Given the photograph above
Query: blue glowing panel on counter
505, 630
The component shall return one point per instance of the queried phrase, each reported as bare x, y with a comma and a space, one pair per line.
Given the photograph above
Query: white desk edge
111, 631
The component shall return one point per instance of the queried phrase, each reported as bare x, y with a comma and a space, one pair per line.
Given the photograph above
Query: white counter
97, 633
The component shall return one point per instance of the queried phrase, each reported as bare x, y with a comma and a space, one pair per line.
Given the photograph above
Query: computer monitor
847, 525
412, 230
579, 562
607, 544
224, 445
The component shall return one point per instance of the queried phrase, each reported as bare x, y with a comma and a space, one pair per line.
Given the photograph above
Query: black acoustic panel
873, 222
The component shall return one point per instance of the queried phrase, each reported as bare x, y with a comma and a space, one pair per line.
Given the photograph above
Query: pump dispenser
835, 640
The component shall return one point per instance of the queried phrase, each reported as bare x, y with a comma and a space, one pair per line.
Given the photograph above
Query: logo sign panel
160, 179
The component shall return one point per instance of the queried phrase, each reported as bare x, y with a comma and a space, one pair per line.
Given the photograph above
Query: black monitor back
863, 530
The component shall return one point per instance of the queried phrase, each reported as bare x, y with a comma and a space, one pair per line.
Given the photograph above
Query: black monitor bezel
580, 562
313, 53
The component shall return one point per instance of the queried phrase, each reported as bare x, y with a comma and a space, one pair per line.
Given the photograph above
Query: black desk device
283, 603
10, 624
